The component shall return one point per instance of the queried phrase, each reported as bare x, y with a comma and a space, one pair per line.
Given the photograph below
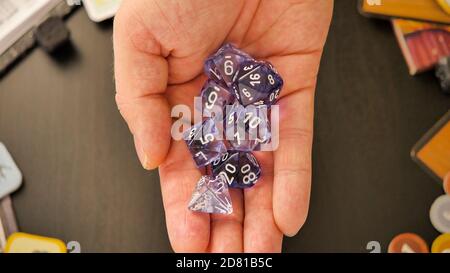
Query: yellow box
432, 152
441, 244
27, 243
427, 10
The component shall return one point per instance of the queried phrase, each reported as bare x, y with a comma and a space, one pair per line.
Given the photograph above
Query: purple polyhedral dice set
235, 100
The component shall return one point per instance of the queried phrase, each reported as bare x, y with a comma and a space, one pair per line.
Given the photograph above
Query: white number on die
228, 67
255, 79
238, 138
231, 119
271, 79
245, 169
201, 154
247, 93
249, 178
224, 157
212, 98
253, 121
230, 168
207, 138
227, 178
192, 133
220, 186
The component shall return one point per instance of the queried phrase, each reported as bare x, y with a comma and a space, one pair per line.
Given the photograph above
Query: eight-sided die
204, 141
215, 98
222, 66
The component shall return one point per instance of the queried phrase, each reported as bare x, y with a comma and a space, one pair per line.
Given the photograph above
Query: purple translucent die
211, 195
223, 65
240, 169
246, 128
215, 97
204, 141
257, 83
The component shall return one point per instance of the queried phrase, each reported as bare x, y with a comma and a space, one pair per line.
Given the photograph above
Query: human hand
160, 47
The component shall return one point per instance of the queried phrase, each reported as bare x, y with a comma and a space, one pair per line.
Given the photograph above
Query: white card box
10, 175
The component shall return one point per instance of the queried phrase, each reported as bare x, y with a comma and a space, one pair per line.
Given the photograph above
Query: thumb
141, 74
149, 121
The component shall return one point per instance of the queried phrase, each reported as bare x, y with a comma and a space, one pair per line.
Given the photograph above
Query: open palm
160, 47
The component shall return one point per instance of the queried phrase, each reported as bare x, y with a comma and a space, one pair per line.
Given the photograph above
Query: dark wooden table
83, 182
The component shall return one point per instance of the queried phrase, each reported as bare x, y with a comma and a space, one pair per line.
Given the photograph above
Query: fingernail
145, 161
142, 155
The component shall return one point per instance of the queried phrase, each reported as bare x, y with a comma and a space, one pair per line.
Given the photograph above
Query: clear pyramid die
211, 195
